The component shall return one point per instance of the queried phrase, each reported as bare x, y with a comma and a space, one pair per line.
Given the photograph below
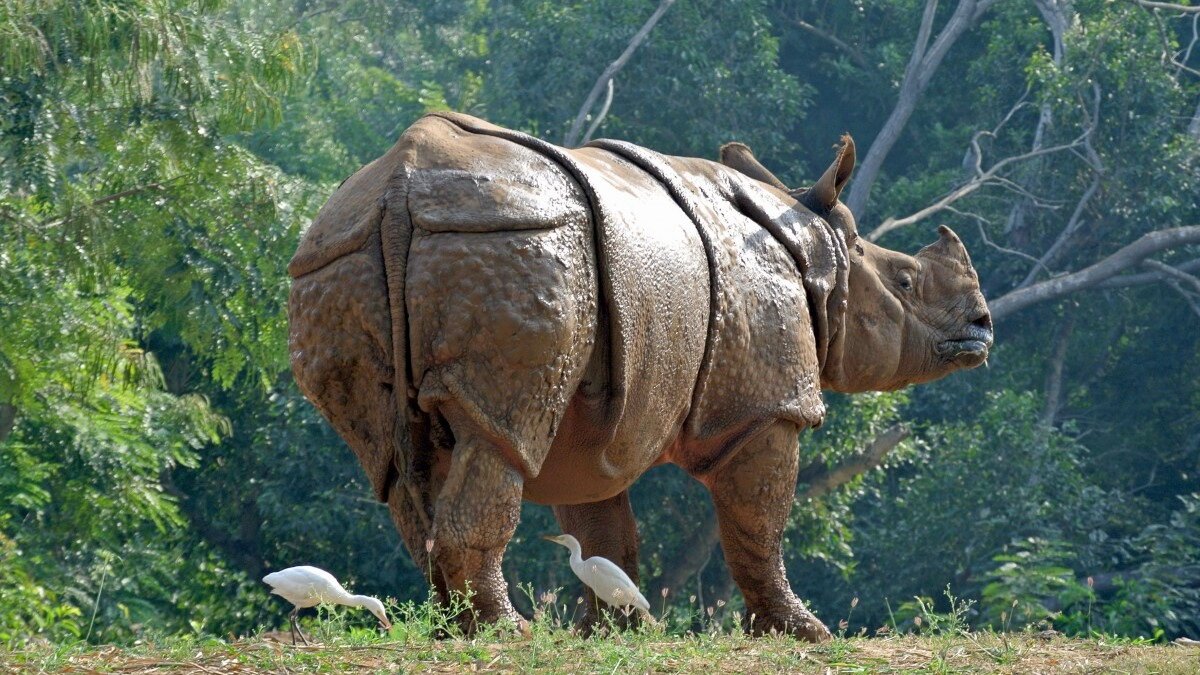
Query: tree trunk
8, 418
1054, 373
922, 65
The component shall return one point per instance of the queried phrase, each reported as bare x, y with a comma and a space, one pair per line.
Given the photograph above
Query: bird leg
293, 620
753, 494
475, 516
607, 529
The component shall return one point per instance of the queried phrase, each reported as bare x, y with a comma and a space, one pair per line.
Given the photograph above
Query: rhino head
909, 319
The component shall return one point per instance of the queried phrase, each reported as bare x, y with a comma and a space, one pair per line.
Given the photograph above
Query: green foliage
820, 529
967, 490
1033, 574
27, 607
135, 239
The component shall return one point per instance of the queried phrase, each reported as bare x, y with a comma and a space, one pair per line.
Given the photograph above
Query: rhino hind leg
475, 514
752, 494
607, 529
416, 530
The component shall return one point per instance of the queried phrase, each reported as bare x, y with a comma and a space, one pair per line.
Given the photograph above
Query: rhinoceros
485, 317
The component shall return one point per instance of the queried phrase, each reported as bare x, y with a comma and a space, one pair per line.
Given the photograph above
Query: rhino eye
904, 281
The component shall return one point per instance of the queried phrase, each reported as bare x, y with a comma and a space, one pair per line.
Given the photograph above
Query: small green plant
1033, 576
921, 615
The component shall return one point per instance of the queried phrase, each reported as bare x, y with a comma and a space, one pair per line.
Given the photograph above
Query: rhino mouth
971, 347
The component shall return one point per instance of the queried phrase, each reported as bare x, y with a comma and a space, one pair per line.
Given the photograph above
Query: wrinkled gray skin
487, 318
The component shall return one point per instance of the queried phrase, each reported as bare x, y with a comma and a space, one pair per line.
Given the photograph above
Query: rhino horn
948, 246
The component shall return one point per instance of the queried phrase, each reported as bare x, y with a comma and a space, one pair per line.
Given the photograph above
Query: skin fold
487, 318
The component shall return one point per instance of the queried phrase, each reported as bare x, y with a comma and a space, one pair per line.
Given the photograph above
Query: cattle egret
307, 586
608, 581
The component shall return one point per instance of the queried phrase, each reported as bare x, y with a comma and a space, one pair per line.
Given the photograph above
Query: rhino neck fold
820, 253
818, 249
655, 165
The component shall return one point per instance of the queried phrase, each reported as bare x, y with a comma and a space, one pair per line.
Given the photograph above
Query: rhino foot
795, 621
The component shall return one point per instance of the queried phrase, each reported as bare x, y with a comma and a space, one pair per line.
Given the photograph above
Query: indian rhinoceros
485, 317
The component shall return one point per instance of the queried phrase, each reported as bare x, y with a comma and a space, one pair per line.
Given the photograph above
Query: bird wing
305, 585
610, 583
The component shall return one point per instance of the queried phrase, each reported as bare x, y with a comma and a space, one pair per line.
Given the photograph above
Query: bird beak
550, 537
387, 625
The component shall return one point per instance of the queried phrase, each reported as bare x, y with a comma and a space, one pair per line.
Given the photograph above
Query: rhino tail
348, 321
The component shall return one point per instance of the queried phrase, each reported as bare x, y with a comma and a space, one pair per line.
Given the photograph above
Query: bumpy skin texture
752, 494
486, 318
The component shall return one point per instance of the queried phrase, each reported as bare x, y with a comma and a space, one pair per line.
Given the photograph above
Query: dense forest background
159, 159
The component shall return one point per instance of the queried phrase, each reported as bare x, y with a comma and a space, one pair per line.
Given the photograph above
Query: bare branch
1191, 300
309, 15
974, 163
855, 55
101, 201
1054, 373
608, 97
1174, 273
1129, 256
821, 481
1057, 15
1194, 126
573, 135
1186, 54
1073, 225
980, 222
981, 179
1169, 6
920, 70
1144, 278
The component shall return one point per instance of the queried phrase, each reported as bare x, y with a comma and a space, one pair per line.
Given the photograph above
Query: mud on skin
485, 317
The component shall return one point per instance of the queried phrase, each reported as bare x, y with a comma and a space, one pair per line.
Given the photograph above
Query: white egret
307, 586
608, 581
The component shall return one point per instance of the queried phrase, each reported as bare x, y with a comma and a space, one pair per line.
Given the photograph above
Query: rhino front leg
607, 529
753, 495
476, 513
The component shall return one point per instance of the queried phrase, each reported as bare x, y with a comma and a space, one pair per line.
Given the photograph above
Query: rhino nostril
983, 321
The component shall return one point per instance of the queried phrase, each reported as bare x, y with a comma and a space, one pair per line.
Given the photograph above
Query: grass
413, 645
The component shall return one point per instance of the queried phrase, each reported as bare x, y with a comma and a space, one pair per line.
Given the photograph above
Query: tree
128, 221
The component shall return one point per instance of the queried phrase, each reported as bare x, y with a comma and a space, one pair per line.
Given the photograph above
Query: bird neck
576, 551
357, 600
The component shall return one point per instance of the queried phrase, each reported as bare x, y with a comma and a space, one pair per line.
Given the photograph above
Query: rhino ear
823, 195
739, 157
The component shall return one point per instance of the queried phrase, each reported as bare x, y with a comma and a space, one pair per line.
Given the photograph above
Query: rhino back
461, 181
